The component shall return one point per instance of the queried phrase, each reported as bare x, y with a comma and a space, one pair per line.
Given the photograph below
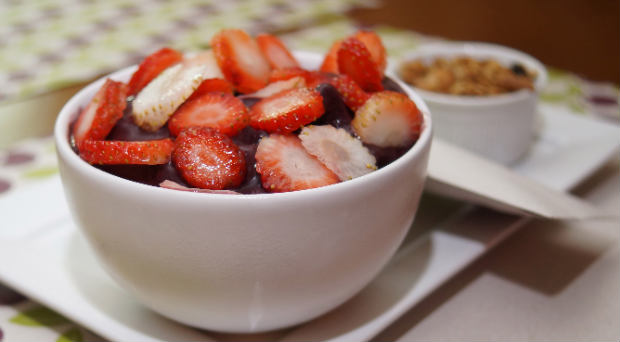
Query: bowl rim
70, 110
479, 49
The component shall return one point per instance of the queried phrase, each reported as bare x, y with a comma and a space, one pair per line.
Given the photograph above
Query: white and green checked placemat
48, 44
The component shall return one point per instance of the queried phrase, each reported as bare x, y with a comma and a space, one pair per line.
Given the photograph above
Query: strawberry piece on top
279, 86
287, 73
241, 60
278, 56
153, 152
154, 105
351, 93
330, 62
101, 114
355, 60
212, 85
152, 66
338, 150
388, 119
287, 111
220, 111
374, 44
208, 159
284, 165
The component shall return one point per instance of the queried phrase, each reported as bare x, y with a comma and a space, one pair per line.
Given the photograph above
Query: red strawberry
208, 159
313, 78
284, 165
278, 56
373, 43
338, 151
351, 93
287, 73
212, 85
388, 119
355, 60
287, 111
278, 87
152, 66
220, 111
241, 60
102, 113
151, 152
330, 63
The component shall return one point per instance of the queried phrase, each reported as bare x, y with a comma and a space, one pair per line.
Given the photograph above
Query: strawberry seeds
246, 117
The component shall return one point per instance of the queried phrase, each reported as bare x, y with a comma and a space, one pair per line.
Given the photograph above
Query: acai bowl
242, 262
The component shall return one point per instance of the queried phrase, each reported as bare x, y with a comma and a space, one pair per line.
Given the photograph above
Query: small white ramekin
242, 263
499, 127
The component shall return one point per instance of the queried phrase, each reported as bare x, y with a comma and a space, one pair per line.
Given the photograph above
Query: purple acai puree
336, 114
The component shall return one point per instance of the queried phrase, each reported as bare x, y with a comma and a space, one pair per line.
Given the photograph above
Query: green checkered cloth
49, 44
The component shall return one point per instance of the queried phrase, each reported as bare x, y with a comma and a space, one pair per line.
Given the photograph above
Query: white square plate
44, 257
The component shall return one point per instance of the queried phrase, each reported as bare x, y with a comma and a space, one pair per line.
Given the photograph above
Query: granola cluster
466, 76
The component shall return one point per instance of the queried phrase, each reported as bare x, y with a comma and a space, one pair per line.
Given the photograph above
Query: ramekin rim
480, 49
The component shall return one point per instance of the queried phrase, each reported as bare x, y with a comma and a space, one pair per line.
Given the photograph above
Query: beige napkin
463, 175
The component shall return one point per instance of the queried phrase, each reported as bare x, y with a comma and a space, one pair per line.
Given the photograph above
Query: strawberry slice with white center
284, 165
161, 97
152, 66
101, 114
208, 159
153, 152
221, 111
278, 87
241, 60
388, 119
168, 184
338, 151
355, 60
287, 111
278, 56
373, 43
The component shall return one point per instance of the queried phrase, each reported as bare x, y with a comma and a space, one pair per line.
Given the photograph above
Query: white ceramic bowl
499, 127
242, 263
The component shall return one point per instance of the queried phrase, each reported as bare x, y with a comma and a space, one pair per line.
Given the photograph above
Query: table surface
550, 281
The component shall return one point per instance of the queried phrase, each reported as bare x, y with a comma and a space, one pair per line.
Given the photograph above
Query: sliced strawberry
153, 152
208, 159
168, 184
161, 97
278, 56
102, 113
213, 85
330, 63
373, 43
338, 151
279, 86
284, 165
351, 93
287, 111
241, 60
220, 111
312, 78
388, 119
355, 60
152, 66
287, 73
